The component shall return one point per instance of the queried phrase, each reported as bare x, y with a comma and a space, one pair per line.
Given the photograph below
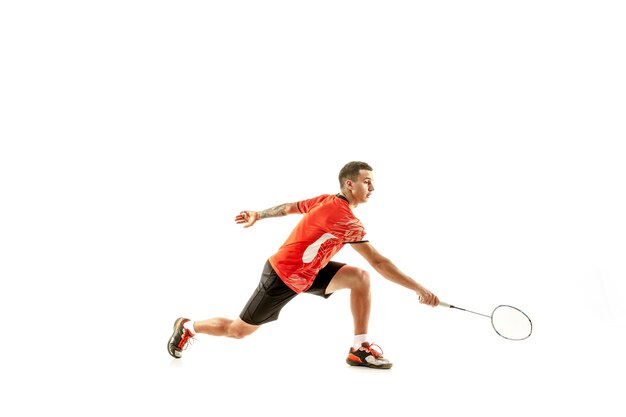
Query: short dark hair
350, 171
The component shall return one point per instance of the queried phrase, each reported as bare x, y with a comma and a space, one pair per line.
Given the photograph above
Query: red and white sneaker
366, 355
179, 339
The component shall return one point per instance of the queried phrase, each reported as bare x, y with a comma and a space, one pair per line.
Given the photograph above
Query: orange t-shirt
328, 223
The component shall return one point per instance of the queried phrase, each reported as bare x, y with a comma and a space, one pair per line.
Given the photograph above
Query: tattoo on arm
280, 210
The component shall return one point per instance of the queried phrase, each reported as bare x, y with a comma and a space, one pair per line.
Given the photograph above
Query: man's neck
348, 197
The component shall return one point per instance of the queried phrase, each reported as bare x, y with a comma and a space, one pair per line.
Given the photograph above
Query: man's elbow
292, 208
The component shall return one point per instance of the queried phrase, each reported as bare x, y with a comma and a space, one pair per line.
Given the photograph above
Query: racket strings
511, 323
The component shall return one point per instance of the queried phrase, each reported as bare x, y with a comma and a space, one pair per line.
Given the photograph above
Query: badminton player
303, 265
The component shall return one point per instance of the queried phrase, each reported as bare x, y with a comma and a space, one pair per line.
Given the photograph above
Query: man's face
362, 187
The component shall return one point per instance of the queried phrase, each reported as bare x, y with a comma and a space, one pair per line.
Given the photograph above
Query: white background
132, 133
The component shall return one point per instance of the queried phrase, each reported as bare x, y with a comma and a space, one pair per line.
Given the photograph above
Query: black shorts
271, 295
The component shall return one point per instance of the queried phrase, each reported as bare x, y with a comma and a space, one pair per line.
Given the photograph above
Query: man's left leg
358, 281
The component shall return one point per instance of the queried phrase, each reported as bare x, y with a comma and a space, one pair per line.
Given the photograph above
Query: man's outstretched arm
389, 270
248, 218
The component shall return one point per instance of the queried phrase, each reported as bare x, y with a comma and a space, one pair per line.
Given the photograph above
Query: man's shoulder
314, 202
334, 201
320, 199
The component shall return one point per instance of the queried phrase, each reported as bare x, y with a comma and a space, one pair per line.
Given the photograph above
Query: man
303, 265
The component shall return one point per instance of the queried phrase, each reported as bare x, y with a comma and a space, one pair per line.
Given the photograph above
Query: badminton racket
509, 322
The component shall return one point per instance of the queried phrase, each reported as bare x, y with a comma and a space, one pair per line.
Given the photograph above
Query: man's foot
180, 338
366, 355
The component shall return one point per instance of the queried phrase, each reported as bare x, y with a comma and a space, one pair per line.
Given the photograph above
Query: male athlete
303, 265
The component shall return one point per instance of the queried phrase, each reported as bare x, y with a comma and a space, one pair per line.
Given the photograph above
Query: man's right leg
220, 326
270, 296
185, 330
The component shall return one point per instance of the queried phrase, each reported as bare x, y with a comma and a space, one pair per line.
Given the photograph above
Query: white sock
189, 326
358, 339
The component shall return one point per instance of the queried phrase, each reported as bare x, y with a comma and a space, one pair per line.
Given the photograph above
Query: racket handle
442, 304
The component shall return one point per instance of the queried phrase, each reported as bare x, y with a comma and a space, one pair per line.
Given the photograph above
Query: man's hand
427, 297
247, 218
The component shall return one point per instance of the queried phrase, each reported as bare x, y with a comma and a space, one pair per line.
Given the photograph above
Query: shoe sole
175, 353
368, 365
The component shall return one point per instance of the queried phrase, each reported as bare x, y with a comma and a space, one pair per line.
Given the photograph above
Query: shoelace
186, 340
190, 341
374, 352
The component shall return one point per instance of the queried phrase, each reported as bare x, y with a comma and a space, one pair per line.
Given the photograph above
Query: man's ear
349, 184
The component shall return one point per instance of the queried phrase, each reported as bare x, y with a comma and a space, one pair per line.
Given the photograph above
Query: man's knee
362, 280
240, 329
237, 333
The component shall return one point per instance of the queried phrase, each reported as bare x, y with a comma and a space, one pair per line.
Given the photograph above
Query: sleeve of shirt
306, 205
353, 231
